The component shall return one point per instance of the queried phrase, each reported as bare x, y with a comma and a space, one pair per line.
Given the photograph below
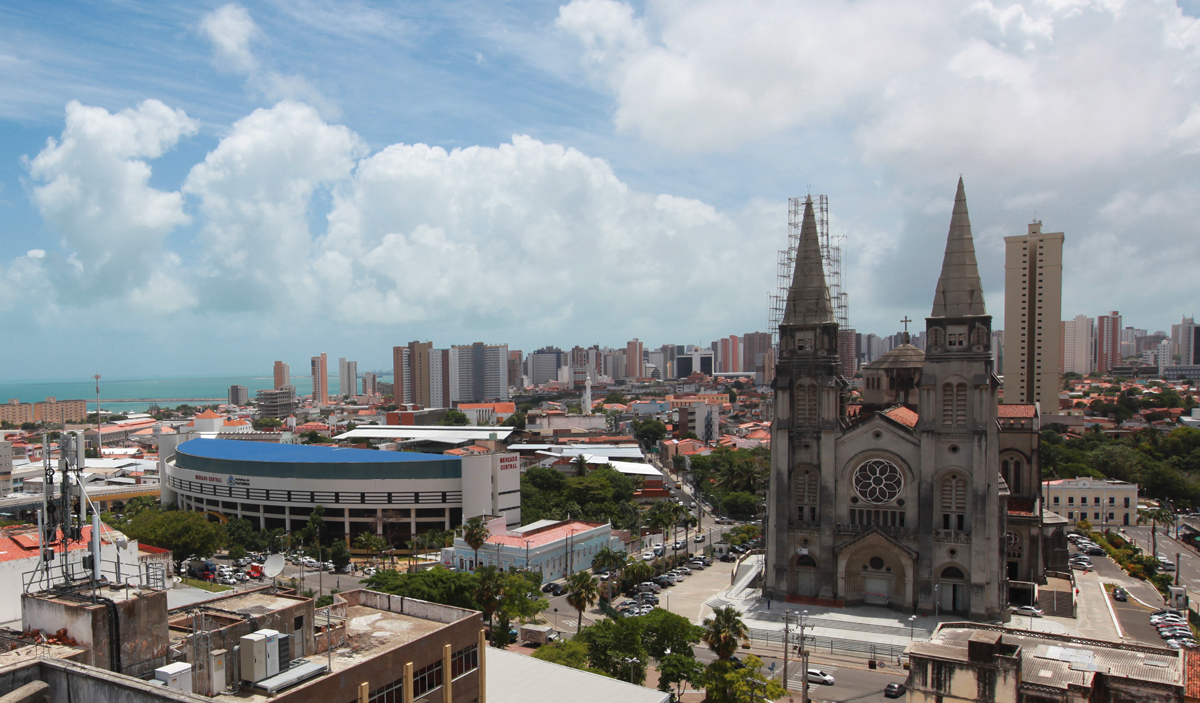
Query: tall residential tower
1032, 316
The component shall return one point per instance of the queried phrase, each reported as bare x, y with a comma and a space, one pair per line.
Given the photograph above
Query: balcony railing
845, 528
952, 536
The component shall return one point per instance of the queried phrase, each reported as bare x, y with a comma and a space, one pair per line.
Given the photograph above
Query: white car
647, 556
683, 570
1028, 610
818, 676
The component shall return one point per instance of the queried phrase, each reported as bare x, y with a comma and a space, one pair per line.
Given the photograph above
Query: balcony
952, 536
845, 528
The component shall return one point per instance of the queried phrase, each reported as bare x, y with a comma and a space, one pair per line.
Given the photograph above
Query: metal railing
828, 645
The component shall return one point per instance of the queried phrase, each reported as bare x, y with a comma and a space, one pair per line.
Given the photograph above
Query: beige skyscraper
419, 372
283, 375
1032, 317
320, 376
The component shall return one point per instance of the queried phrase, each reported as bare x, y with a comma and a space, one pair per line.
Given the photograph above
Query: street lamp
631, 661
912, 623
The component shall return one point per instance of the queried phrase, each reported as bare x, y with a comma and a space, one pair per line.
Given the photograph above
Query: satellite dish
273, 566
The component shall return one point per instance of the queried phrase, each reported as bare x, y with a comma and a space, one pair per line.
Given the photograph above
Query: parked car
728, 557
818, 676
1095, 551
683, 570
696, 565
548, 587
1120, 594
649, 586
680, 544
648, 555
894, 689
1028, 610
558, 590
699, 538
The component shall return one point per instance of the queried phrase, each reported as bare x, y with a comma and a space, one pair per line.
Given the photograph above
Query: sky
202, 188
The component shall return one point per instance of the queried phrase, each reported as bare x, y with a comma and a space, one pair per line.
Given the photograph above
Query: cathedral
926, 495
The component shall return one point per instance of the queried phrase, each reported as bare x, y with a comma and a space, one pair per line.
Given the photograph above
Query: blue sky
206, 187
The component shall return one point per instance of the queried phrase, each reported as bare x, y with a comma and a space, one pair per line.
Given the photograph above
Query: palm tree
1154, 516
475, 534
582, 593
581, 465
615, 561
489, 589
722, 632
639, 571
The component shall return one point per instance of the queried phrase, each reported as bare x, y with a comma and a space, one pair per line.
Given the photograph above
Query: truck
538, 634
255, 571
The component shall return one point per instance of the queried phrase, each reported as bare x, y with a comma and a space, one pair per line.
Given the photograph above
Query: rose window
878, 481
1011, 538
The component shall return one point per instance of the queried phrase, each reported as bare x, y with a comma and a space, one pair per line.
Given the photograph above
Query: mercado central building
929, 490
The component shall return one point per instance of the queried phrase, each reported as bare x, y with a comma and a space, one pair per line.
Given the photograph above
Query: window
877, 518
878, 481
1056, 500
464, 661
426, 679
1070, 500
1096, 500
1112, 500
1070, 514
1097, 516
1126, 501
805, 492
954, 502
806, 404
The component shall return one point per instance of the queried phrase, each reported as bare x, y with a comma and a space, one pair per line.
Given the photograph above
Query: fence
830, 645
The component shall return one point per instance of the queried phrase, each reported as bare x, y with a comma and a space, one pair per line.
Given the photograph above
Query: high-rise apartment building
478, 373
401, 380
729, 354
320, 379
754, 346
277, 403
544, 365
239, 395
283, 375
420, 375
515, 360
370, 384
1078, 345
1032, 316
633, 359
1108, 342
1189, 342
848, 351
347, 377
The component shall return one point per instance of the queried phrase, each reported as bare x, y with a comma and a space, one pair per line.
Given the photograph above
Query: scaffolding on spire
831, 259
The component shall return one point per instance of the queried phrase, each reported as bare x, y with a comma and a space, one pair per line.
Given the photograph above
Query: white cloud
92, 187
230, 30
255, 189
923, 85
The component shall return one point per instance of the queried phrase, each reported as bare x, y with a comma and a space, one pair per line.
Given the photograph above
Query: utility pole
787, 622
803, 660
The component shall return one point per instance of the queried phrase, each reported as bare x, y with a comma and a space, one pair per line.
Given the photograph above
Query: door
806, 582
946, 596
876, 590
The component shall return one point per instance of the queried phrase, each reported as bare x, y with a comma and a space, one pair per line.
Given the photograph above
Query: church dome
905, 356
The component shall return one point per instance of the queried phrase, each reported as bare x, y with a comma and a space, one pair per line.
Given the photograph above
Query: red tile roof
546, 536
1191, 679
1020, 506
22, 542
1016, 410
208, 415
903, 415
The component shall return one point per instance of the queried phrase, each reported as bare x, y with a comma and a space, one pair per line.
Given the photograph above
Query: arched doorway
952, 590
804, 581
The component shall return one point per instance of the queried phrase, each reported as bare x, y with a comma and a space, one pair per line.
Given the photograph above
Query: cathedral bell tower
961, 505
810, 409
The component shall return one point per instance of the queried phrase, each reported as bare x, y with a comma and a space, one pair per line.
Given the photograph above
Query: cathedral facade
924, 496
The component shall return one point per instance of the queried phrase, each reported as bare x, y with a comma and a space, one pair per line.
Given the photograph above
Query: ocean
136, 394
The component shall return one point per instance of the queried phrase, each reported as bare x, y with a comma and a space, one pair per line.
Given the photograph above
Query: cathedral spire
959, 291
808, 298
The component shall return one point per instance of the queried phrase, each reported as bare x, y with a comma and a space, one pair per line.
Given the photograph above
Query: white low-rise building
1102, 502
556, 548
